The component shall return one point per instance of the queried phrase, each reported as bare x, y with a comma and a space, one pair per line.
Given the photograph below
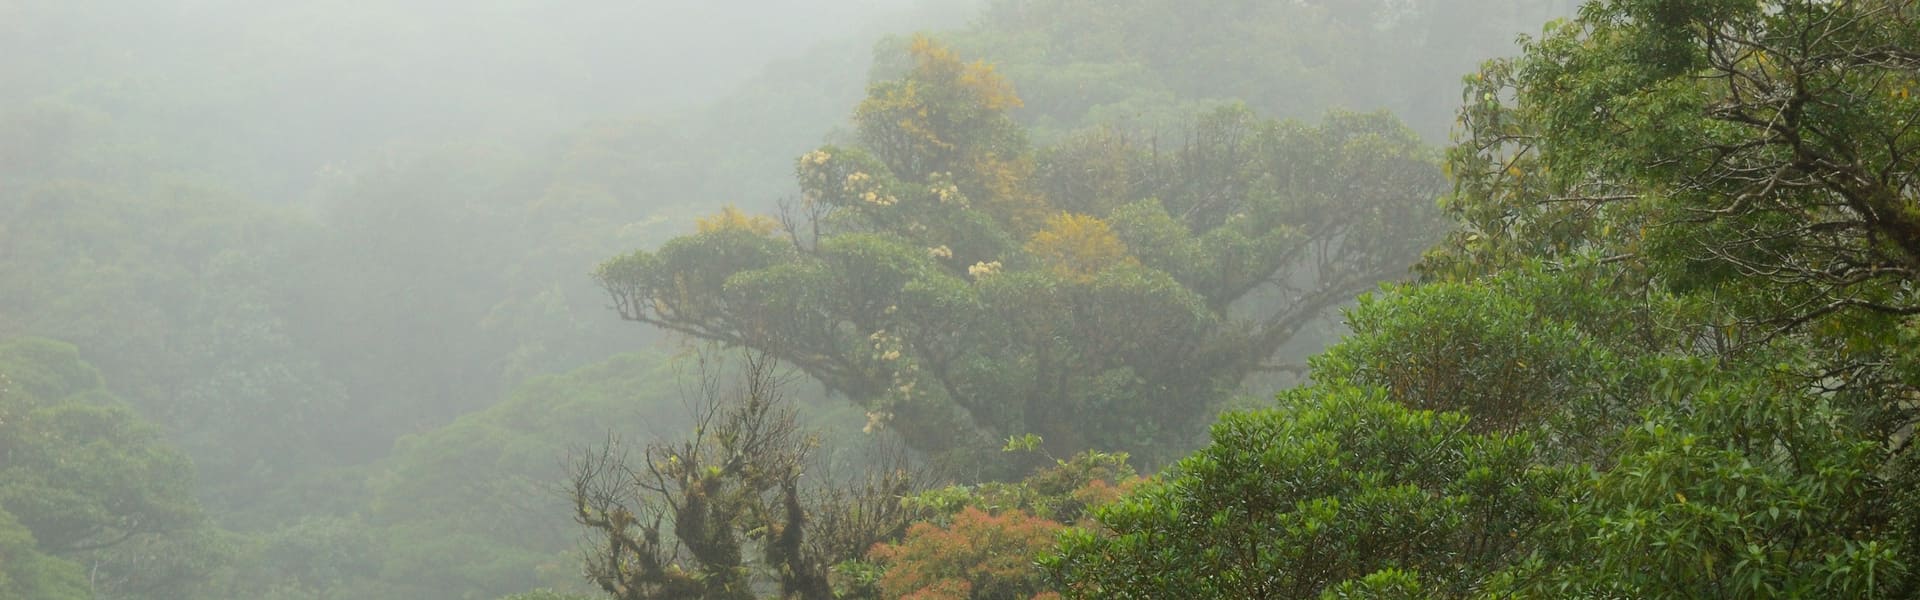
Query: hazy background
277, 93
337, 253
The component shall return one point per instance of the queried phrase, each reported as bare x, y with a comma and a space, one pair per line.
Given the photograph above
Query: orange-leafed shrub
979, 555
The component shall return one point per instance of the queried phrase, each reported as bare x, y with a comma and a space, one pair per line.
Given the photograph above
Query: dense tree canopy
1681, 277
1104, 293
1753, 161
332, 286
27, 572
85, 481
1337, 485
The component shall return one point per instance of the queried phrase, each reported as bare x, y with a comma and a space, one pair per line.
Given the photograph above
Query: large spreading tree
1105, 292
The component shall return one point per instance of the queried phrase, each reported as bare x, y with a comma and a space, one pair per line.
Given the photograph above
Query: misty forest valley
959, 299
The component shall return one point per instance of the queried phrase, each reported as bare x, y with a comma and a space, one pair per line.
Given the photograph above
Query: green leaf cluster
1336, 484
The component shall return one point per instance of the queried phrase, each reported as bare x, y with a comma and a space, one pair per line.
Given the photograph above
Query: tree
92, 483
961, 292
468, 508
1758, 156
1750, 160
1680, 302
982, 541
1339, 484
1700, 475
29, 574
1664, 469
1749, 488
1731, 177
950, 117
723, 514
977, 555
1556, 353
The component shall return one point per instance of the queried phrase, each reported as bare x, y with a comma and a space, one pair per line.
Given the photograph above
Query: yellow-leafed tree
733, 219
1078, 246
948, 117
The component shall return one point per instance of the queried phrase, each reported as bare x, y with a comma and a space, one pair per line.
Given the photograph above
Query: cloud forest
959, 300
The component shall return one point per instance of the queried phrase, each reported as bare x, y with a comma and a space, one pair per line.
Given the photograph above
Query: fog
813, 299
280, 90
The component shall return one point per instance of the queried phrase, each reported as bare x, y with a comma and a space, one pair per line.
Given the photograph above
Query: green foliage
86, 480
286, 297
311, 558
1528, 350
1746, 152
29, 574
1337, 484
468, 508
1475, 349
1388, 584
83, 471
1706, 478
1748, 489
1674, 276
902, 284
1685, 270
203, 343
280, 334
947, 117
1742, 171
1066, 491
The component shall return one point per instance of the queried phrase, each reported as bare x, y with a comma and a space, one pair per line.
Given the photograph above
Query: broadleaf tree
1681, 278
964, 287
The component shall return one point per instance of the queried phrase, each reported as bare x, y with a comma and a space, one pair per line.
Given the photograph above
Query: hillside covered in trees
1031, 299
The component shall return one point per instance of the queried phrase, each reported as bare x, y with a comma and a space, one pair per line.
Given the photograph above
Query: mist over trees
901, 279
931, 299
